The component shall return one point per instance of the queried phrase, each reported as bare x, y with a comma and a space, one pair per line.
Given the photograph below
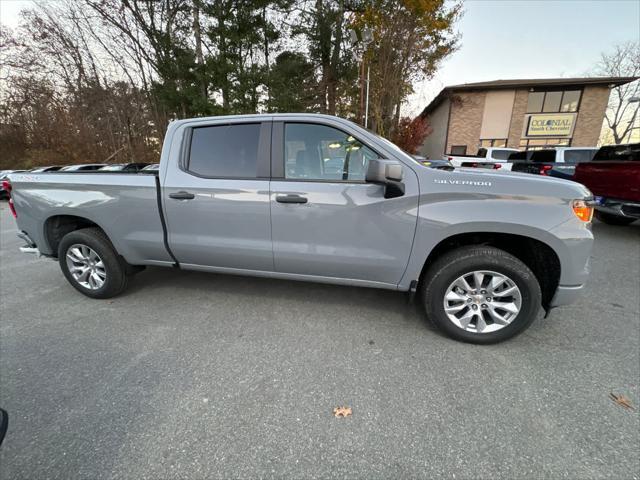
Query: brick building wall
590, 116
517, 117
466, 113
465, 120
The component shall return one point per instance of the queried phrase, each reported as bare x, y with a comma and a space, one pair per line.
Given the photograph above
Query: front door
217, 198
326, 221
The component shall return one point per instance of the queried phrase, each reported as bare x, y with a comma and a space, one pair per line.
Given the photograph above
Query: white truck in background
487, 157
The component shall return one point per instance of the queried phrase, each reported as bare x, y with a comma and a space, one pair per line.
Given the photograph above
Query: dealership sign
550, 125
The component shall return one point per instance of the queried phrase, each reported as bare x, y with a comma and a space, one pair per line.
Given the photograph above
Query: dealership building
523, 114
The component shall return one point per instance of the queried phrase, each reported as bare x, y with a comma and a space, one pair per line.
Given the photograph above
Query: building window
535, 102
553, 102
493, 142
458, 150
542, 143
570, 101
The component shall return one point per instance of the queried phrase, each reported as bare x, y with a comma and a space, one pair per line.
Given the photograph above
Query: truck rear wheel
91, 264
481, 294
611, 219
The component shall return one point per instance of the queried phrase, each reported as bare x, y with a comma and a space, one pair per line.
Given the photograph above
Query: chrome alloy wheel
86, 267
482, 301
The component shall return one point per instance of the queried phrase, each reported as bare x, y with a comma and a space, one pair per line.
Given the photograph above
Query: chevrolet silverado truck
318, 198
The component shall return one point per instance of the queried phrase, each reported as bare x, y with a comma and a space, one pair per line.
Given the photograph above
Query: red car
614, 178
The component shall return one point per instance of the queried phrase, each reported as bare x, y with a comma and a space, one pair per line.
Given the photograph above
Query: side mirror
387, 173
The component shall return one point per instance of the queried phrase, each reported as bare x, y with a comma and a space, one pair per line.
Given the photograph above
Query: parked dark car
88, 167
124, 167
53, 168
614, 178
559, 162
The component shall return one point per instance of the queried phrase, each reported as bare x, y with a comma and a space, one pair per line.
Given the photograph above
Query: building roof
525, 83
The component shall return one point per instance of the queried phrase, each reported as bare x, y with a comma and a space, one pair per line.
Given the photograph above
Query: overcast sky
506, 39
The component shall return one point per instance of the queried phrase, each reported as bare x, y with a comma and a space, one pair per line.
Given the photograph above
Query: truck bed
125, 205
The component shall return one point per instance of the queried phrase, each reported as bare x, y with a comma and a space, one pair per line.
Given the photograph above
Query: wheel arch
539, 256
57, 226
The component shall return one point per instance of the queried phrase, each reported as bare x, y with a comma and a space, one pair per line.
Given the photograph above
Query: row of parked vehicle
611, 172
86, 167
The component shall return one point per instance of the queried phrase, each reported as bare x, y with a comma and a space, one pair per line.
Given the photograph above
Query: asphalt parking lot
193, 375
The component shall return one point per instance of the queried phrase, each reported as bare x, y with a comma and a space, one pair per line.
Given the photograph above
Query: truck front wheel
481, 294
91, 264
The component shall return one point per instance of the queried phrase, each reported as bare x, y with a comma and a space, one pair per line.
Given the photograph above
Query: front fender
546, 219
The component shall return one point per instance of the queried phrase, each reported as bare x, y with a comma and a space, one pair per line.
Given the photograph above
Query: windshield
112, 168
396, 148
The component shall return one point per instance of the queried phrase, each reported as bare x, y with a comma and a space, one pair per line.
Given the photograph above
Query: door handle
291, 199
182, 196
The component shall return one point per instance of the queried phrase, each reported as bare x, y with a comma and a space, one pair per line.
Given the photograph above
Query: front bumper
566, 295
622, 208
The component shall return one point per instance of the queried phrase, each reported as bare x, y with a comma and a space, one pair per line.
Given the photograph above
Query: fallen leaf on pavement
342, 411
621, 400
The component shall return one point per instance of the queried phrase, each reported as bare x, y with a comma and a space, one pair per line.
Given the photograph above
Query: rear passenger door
216, 197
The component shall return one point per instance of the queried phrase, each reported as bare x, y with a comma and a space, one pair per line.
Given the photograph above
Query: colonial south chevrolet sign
550, 125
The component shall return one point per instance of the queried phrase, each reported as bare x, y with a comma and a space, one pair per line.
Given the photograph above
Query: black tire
446, 269
115, 268
611, 219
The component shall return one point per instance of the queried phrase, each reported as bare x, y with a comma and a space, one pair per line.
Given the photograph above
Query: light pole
363, 38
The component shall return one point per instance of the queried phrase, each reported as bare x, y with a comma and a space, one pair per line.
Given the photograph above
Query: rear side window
577, 156
225, 151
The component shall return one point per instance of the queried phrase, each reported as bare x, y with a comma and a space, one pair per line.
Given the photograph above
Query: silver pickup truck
318, 198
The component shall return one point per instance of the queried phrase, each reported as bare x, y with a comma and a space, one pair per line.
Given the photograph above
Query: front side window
225, 151
319, 152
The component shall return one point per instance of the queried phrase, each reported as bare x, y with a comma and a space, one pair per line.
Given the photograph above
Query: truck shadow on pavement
306, 298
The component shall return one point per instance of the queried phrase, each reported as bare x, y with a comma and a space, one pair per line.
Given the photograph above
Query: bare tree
622, 111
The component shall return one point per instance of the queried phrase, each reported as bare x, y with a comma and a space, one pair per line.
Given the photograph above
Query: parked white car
487, 157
